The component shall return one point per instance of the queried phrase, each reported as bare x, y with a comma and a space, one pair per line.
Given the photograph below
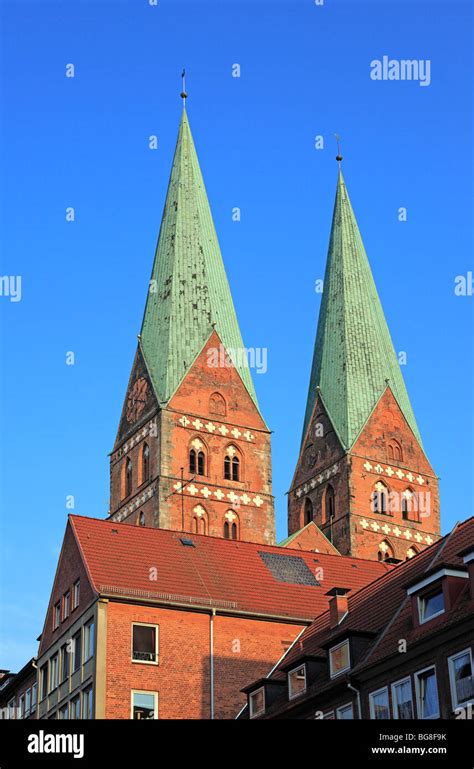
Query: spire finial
183, 93
338, 156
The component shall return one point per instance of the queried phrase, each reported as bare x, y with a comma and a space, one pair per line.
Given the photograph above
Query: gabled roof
383, 608
122, 560
354, 357
188, 294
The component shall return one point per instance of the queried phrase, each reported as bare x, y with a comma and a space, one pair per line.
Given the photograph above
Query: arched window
192, 462
217, 405
394, 451
141, 519
128, 477
380, 498
145, 463
199, 520
308, 511
231, 525
232, 465
409, 505
385, 551
329, 503
200, 463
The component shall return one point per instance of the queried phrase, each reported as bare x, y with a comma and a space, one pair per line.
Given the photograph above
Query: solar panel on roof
289, 568
186, 542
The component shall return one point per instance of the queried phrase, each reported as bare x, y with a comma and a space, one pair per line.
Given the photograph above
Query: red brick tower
362, 474
192, 451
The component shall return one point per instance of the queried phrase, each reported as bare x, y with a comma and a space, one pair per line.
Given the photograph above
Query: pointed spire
189, 294
354, 354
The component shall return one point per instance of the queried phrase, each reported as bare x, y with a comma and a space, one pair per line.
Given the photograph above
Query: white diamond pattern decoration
389, 471
364, 523
367, 466
407, 533
245, 499
233, 497
420, 480
219, 494
210, 427
258, 501
184, 421
223, 430
192, 489
206, 492
236, 433
198, 424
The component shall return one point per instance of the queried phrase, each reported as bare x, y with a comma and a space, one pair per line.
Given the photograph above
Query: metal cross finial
183, 94
338, 156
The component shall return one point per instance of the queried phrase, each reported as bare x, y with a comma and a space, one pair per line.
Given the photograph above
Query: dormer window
296, 681
431, 604
257, 702
339, 659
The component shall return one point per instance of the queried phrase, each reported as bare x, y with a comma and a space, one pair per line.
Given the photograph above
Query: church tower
192, 451
362, 474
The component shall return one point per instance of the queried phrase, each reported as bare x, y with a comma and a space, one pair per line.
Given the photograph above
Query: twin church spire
178, 407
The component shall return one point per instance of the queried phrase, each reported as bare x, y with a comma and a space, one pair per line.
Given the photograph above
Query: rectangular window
145, 643
75, 708
297, 681
43, 681
64, 663
88, 640
144, 705
27, 702
345, 712
53, 673
56, 615
21, 706
427, 693
339, 659
34, 696
87, 703
257, 702
379, 705
11, 710
64, 713
76, 652
460, 676
431, 604
76, 589
66, 604
402, 699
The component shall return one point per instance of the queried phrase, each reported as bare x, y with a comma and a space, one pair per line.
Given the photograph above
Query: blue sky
83, 142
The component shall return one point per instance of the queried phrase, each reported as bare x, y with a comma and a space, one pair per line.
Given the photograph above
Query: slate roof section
354, 355
189, 294
229, 574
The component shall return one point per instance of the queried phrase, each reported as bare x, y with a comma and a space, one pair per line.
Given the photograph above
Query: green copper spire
354, 358
189, 295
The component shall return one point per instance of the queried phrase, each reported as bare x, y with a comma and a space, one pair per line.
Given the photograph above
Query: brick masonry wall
70, 568
244, 649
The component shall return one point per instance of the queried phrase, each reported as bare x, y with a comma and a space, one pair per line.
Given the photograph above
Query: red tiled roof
383, 607
228, 574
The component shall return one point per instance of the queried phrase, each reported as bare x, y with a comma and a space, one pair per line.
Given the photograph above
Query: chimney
337, 605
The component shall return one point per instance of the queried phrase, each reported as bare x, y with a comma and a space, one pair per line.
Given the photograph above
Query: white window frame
86, 641
344, 670
66, 604
344, 707
73, 668
34, 700
296, 694
371, 702
259, 713
56, 615
71, 707
145, 691
53, 666
21, 706
27, 701
76, 594
422, 598
394, 696
157, 644
89, 690
452, 682
417, 690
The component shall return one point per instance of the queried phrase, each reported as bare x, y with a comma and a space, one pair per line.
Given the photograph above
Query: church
180, 603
